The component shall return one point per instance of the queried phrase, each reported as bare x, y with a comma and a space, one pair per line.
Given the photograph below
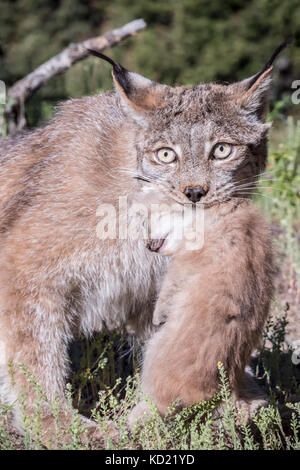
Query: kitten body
214, 302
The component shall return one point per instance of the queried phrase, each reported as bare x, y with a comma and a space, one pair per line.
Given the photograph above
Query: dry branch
22, 89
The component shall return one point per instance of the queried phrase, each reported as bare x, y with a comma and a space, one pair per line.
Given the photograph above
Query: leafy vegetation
199, 427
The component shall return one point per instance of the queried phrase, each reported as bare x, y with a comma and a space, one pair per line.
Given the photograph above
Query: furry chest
120, 288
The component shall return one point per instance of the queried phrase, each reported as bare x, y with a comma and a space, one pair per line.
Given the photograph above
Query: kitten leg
156, 384
182, 364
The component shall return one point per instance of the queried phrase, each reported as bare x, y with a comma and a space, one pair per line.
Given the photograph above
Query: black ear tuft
138, 94
270, 62
116, 66
119, 71
252, 93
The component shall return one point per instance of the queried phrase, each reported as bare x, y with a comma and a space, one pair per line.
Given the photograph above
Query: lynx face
199, 148
199, 145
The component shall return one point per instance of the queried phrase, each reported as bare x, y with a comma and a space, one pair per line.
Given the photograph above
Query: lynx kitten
214, 302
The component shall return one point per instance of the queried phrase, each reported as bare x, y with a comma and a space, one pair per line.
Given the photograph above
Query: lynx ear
252, 94
137, 91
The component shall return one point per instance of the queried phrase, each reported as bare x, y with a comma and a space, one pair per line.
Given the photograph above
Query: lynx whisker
257, 194
257, 176
249, 185
240, 198
142, 178
258, 181
167, 189
253, 187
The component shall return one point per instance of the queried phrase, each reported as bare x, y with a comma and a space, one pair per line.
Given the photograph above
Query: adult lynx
57, 278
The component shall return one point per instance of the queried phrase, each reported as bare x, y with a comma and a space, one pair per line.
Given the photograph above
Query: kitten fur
214, 302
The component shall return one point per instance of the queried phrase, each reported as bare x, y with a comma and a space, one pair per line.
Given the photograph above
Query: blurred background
185, 42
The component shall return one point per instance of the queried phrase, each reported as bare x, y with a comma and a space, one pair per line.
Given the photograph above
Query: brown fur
215, 301
57, 278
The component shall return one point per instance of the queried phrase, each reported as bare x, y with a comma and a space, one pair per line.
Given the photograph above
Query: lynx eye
166, 155
222, 151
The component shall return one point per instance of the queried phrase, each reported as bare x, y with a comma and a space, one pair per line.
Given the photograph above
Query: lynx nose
195, 194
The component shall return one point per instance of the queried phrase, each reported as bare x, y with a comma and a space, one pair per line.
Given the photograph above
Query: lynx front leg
34, 334
35, 337
36, 367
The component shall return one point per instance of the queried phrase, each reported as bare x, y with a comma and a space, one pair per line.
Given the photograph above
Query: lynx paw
139, 413
249, 408
96, 436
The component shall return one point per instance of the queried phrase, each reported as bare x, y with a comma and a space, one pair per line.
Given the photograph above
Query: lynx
58, 279
214, 302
